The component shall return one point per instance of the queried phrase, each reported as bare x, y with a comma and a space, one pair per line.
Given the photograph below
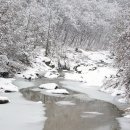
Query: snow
21, 114
98, 56
6, 85
124, 123
127, 116
46, 59
90, 67
127, 109
3, 100
123, 100
39, 102
92, 78
38, 65
51, 74
48, 86
58, 91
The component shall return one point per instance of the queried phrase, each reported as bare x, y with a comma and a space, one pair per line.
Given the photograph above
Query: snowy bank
41, 66
7, 86
21, 114
92, 78
91, 67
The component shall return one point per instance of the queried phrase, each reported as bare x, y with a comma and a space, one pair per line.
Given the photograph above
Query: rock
52, 74
29, 78
4, 100
127, 109
63, 65
7, 91
78, 50
52, 66
47, 61
94, 68
49, 86
76, 69
8, 88
4, 74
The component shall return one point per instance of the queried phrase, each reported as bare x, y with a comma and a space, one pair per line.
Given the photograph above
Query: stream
76, 111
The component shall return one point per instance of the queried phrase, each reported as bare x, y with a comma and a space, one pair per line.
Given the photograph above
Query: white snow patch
92, 78
127, 116
3, 98
124, 123
51, 74
21, 114
6, 85
123, 100
48, 86
46, 59
39, 102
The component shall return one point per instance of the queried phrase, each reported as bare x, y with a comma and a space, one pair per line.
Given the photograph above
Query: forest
87, 41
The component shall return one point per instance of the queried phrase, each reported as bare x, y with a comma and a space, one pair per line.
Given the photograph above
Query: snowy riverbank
93, 69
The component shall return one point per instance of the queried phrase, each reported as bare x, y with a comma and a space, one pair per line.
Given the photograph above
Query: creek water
76, 111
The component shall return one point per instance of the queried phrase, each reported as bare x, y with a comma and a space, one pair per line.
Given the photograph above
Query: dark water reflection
73, 117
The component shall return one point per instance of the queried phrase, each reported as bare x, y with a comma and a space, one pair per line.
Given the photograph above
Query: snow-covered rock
127, 109
58, 91
46, 60
52, 74
123, 100
49, 86
7, 86
127, 116
3, 100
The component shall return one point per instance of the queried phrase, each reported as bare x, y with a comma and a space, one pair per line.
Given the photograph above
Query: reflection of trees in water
37, 96
69, 117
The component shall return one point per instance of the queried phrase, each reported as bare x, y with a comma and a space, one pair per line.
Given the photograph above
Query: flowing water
76, 111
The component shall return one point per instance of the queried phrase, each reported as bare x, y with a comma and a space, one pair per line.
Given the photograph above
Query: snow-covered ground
41, 66
16, 114
21, 114
91, 68
7, 86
